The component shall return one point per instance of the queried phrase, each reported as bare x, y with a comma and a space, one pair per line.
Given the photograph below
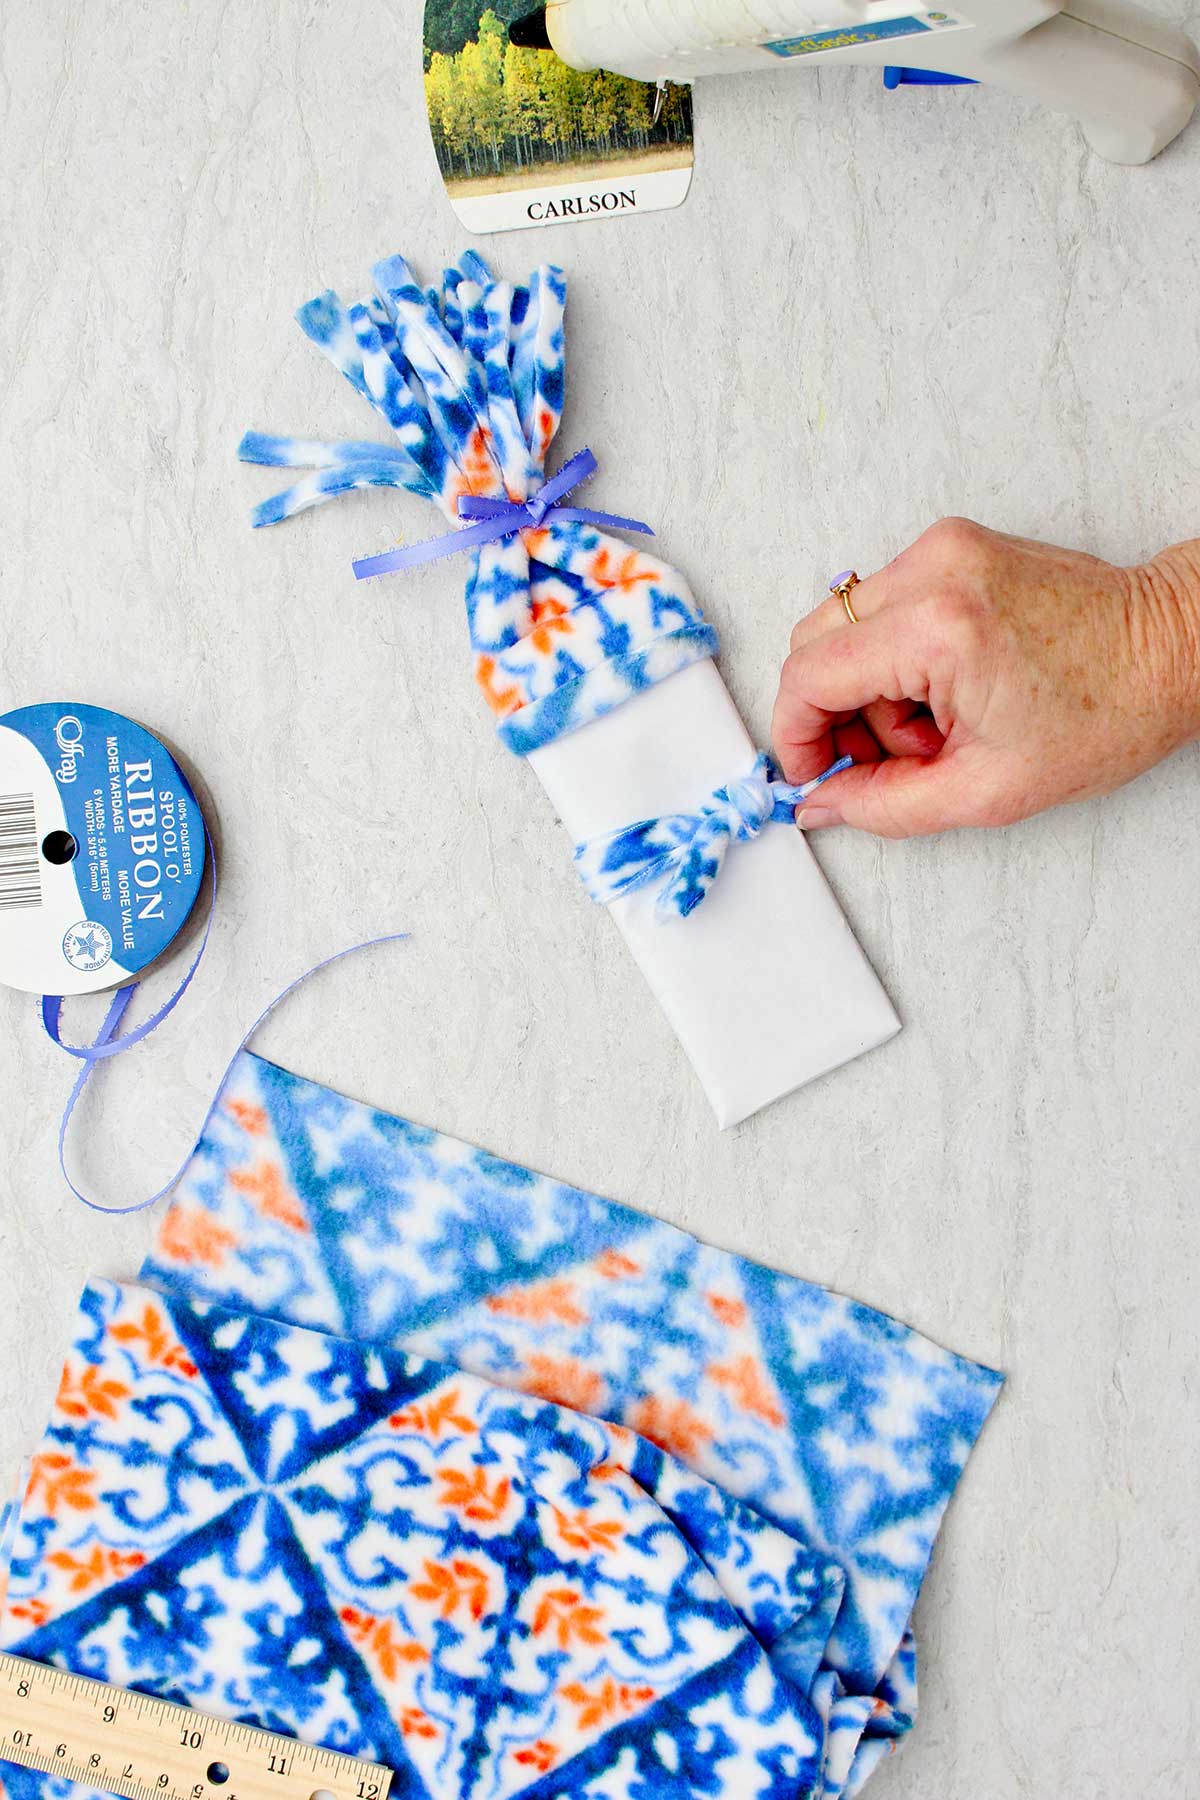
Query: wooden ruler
127, 1743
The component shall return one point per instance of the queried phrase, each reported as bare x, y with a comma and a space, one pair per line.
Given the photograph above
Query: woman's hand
988, 678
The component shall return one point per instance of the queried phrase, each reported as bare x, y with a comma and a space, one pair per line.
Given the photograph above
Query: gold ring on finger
843, 586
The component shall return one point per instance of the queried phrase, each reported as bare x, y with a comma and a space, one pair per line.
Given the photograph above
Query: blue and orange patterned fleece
489, 1593
842, 1427
407, 1450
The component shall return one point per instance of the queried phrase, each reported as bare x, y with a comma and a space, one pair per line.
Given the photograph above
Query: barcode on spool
20, 878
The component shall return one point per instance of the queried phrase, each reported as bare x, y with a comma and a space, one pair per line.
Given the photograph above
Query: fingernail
812, 818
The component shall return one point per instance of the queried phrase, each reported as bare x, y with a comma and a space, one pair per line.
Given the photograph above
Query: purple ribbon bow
503, 518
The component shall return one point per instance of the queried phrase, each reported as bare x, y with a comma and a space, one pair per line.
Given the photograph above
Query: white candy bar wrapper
764, 983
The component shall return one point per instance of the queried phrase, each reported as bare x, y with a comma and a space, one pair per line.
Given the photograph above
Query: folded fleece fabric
843, 1428
292, 1480
491, 1594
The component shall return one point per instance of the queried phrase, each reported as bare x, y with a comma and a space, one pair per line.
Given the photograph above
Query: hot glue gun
1130, 80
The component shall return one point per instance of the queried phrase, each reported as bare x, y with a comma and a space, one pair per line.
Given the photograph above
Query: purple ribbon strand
107, 1043
501, 519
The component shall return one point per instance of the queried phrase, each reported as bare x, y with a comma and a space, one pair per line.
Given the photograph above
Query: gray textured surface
873, 309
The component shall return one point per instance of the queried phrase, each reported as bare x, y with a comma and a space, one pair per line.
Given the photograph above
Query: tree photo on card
523, 139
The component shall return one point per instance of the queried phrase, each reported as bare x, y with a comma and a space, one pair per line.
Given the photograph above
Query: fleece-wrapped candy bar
598, 664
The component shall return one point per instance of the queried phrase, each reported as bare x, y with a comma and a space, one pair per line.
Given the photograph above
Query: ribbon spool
102, 849
102, 853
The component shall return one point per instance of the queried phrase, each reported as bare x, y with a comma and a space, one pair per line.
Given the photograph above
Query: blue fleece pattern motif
565, 621
844, 1428
491, 1594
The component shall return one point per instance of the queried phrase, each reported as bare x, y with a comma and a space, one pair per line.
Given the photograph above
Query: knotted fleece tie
684, 852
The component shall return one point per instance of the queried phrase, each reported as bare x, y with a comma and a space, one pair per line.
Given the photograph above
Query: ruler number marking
83, 1704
